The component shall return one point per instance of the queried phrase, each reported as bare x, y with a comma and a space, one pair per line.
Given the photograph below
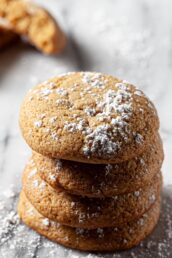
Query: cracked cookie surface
76, 211
100, 239
88, 117
94, 180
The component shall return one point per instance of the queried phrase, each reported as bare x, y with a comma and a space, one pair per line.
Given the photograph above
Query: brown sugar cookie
35, 23
6, 37
76, 211
101, 180
100, 239
88, 117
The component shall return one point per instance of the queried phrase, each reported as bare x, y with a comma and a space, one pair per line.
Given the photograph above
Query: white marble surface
131, 39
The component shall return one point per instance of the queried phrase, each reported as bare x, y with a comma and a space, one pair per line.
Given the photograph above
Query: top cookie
88, 117
34, 22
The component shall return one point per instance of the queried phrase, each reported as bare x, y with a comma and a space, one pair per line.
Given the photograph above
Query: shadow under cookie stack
94, 179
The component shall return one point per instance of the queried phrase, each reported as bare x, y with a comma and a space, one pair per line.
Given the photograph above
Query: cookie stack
93, 181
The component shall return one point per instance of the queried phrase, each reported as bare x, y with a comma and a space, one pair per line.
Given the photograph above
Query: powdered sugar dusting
152, 198
35, 183
93, 79
53, 119
32, 172
73, 127
97, 106
46, 222
137, 193
138, 138
100, 142
115, 109
90, 111
17, 239
52, 177
62, 92
59, 164
38, 124
45, 92
8, 224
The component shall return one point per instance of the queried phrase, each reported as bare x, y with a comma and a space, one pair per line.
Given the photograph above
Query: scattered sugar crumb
32, 172
38, 124
137, 193
46, 222
17, 239
36, 183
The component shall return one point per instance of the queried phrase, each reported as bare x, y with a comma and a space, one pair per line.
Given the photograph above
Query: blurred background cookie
35, 23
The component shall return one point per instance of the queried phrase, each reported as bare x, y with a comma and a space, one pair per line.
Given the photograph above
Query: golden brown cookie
76, 211
34, 22
6, 37
88, 117
101, 239
101, 180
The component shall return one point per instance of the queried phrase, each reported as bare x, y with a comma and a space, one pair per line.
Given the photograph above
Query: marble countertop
130, 39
